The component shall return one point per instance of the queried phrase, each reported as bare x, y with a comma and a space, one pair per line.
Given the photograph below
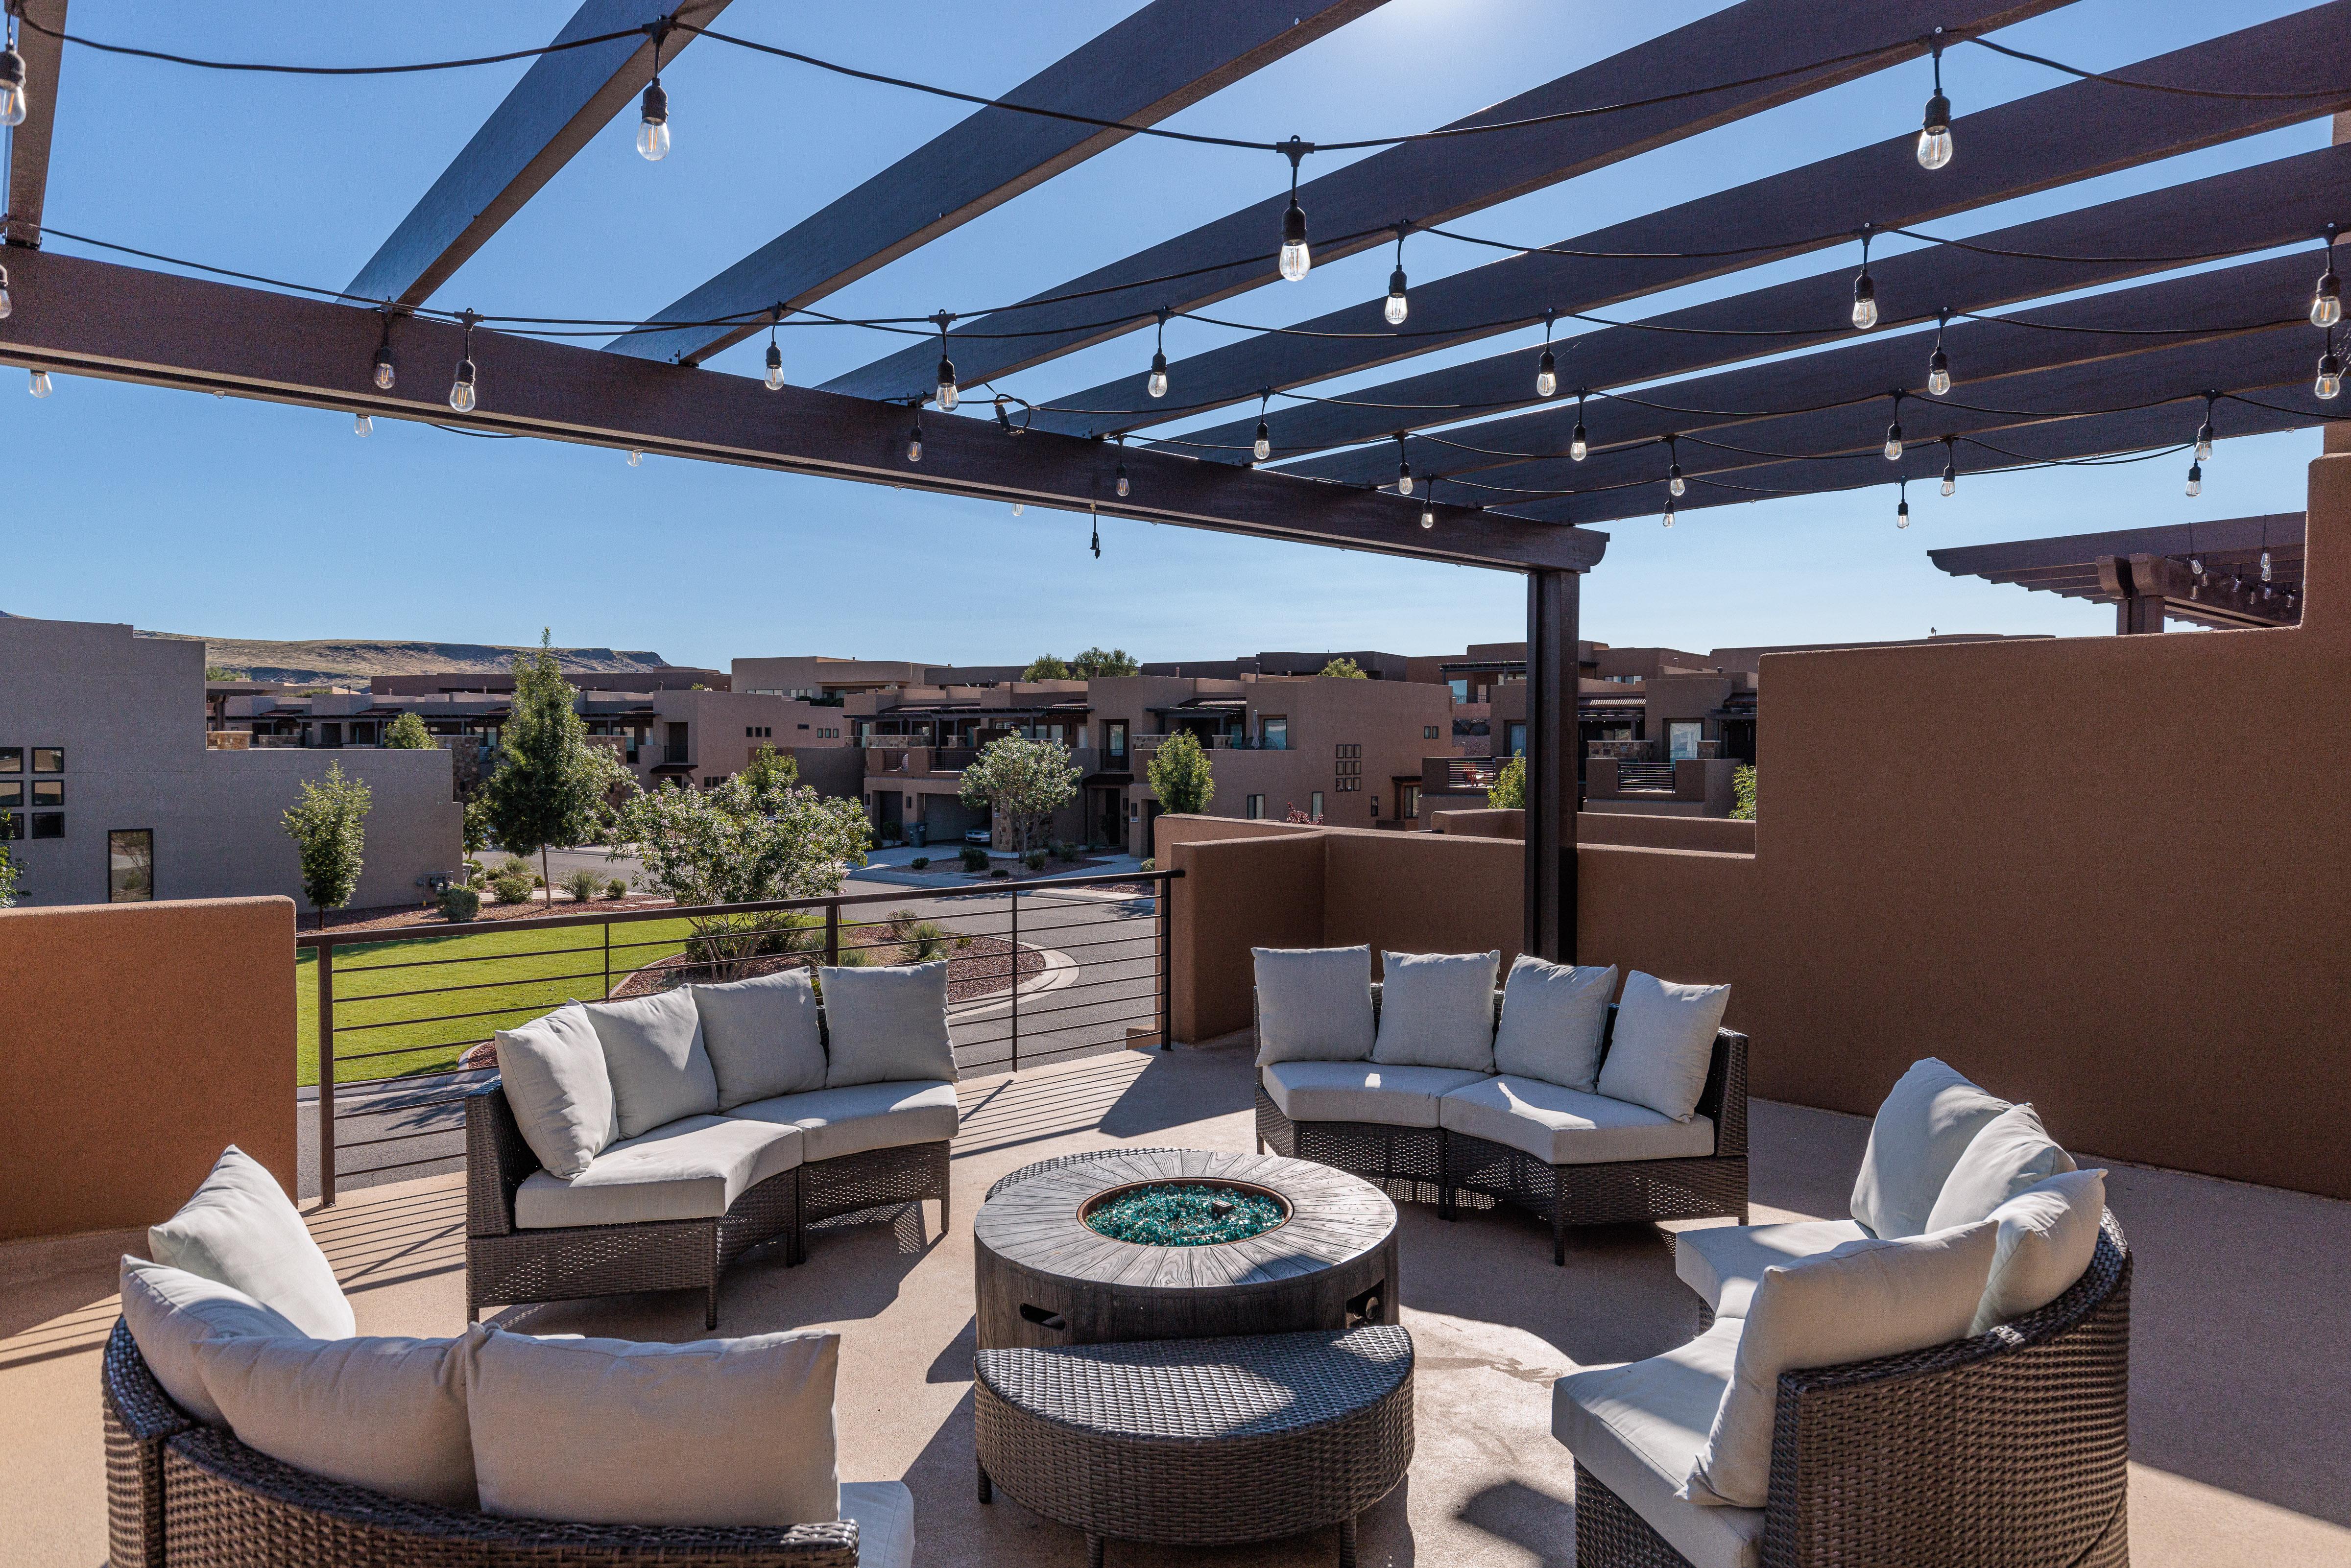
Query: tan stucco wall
141, 1039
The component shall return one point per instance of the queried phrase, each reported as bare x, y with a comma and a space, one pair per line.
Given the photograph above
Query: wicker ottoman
1205, 1442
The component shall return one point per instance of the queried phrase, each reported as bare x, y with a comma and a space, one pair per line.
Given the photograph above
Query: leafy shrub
973, 858
616, 887
1508, 793
1742, 781
919, 861
1067, 853
855, 958
505, 889
1150, 865
924, 940
515, 865
459, 903
583, 884
999, 873
1034, 860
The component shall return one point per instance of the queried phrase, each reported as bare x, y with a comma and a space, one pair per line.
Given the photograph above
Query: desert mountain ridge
349, 661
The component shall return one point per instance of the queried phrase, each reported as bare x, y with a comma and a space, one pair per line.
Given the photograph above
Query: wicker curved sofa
1453, 1169
186, 1495
2009, 1449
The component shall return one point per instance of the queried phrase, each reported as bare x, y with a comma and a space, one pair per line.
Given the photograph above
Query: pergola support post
1553, 691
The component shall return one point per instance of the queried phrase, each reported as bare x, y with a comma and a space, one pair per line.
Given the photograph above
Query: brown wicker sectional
507, 1265
183, 1495
1454, 1169
2008, 1449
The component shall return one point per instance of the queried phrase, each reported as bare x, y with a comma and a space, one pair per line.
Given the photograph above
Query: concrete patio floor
2240, 1404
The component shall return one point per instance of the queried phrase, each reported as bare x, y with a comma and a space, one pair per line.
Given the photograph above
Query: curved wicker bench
1210, 1442
2007, 1449
183, 1495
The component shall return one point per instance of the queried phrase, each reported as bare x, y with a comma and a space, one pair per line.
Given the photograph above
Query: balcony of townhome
1945, 1167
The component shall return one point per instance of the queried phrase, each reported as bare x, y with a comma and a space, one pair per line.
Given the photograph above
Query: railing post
607, 929
832, 934
1166, 912
325, 1075
1016, 981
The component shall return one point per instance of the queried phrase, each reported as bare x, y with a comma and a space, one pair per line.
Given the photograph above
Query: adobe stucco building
103, 763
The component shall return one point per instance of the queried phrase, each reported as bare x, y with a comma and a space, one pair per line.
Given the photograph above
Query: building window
1460, 689
12, 792
12, 760
1514, 738
1256, 808
48, 759
1273, 732
1429, 732
131, 866
1315, 805
1376, 808
48, 791
1114, 738
1408, 802
48, 825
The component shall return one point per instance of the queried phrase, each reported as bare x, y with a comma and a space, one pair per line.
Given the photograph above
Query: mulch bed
399, 916
974, 971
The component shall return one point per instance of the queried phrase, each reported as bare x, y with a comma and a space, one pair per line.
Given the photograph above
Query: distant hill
352, 661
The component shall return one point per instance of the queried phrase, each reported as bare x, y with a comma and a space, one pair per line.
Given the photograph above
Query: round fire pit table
1146, 1244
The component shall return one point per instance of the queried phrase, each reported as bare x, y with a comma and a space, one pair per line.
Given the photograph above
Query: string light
1262, 448
1403, 467
1865, 291
914, 436
775, 353
2326, 302
1902, 511
2195, 480
2329, 384
1295, 259
1018, 508
2204, 431
1938, 365
1577, 447
461, 391
1674, 484
1429, 506
636, 458
652, 127
384, 375
1547, 367
947, 380
1122, 466
2265, 567
1158, 384
1935, 135
1950, 467
7, 306
362, 425
1669, 512
1893, 433
1397, 307
13, 103
40, 384
1096, 518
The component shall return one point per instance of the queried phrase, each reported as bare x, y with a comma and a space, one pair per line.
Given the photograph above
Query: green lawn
519, 974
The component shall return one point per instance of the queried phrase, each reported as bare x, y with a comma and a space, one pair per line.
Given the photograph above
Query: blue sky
183, 512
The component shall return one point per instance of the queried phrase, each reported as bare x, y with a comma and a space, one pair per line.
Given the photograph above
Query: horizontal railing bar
343, 1056
322, 939
440, 1017
401, 1165
457, 1132
343, 969
1089, 985
403, 1107
1105, 942
1090, 1023
469, 985
1152, 994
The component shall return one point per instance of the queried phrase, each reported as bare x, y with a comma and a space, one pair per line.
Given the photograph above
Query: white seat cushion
558, 1087
605, 1431
862, 1117
1663, 1045
241, 1229
170, 1310
1926, 1122
693, 1168
658, 1066
1436, 1009
763, 1036
1314, 1004
1361, 1091
384, 1414
1552, 1018
1563, 1126
2047, 1236
885, 1512
1637, 1427
2008, 1154
1724, 1263
887, 1025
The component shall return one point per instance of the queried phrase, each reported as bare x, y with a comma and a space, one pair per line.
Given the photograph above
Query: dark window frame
58, 752
111, 834
54, 823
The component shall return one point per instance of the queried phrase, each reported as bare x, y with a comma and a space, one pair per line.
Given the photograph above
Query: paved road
1100, 981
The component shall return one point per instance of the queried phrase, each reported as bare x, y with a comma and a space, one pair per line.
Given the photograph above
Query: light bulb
1159, 375
384, 375
1404, 479
1865, 302
1546, 375
1398, 308
1939, 373
461, 391
362, 425
1429, 515
652, 131
1935, 135
775, 368
1669, 512
2329, 384
1894, 442
1902, 512
2196, 565
2204, 443
1263, 448
2265, 566
636, 458
915, 442
7, 306
11, 88
2195, 480
1576, 447
947, 383
1675, 482
40, 387
2327, 305
1294, 258
1122, 486
1950, 481
1018, 508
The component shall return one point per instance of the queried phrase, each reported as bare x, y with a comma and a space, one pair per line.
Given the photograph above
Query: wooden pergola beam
1163, 59
93, 318
559, 105
1352, 208
28, 147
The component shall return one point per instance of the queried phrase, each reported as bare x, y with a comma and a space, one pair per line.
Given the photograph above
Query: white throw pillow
1663, 1045
887, 1025
2048, 1233
385, 1414
1314, 1004
1925, 1123
658, 1066
1552, 1018
763, 1036
558, 1088
2009, 1153
1853, 1302
606, 1431
241, 1229
170, 1309
1436, 1009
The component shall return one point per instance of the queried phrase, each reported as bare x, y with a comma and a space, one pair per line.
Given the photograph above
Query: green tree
1180, 775
477, 825
222, 672
1344, 669
1046, 667
1024, 783
1095, 664
770, 770
1508, 793
551, 787
328, 826
1742, 784
7, 865
408, 733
